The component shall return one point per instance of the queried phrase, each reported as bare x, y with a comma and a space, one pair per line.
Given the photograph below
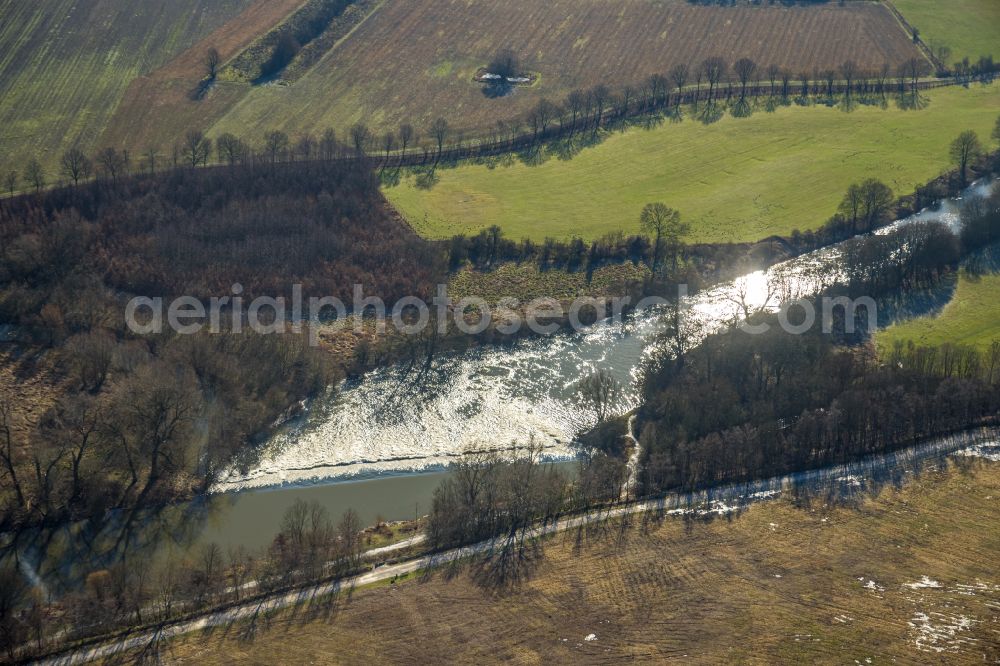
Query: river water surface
392, 420
379, 444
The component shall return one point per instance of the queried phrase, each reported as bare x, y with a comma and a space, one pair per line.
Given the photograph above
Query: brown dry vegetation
777, 584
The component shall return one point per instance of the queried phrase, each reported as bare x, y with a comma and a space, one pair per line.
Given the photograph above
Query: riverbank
850, 483
909, 575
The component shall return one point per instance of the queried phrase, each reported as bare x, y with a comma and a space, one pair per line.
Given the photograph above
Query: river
392, 421
379, 444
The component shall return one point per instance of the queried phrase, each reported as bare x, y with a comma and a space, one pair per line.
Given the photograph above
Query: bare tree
76, 165
504, 65
388, 143
90, 356
547, 111
328, 144
665, 224
657, 84
575, 102
305, 147
628, 93
849, 70
914, 68
830, 76
75, 421
197, 148
349, 538
601, 392
405, 138
714, 70
34, 174
679, 75
599, 95
439, 129
964, 149
212, 60
229, 148
151, 154
745, 70
156, 411
786, 83
773, 72
7, 449
876, 200
112, 162
850, 206
360, 136
276, 145
13, 593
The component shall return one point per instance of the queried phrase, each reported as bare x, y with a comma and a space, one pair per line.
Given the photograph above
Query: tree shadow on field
848, 104
497, 90
533, 155
741, 109
912, 101
391, 177
426, 179
711, 114
502, 160
675, 115
508, 564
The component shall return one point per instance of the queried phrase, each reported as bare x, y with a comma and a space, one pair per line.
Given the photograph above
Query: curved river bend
392, 421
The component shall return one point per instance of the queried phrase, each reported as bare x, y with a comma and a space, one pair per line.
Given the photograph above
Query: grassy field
412, 61
969, 27
972, 317
65, 64
735, 180
778, 584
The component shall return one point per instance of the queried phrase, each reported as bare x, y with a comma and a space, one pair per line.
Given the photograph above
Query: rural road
718, 501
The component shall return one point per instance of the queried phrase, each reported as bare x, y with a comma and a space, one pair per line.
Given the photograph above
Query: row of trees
581, 111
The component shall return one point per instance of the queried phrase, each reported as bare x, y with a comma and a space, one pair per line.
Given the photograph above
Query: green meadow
968, 27
971, 317
738, 179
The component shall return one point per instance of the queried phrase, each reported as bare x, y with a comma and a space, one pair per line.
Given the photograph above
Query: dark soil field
406, 61
411, 61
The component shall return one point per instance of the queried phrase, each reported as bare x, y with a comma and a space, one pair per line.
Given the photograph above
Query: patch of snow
850, 480
590, 637
871, 585
923, 584
989, 452
938, 632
